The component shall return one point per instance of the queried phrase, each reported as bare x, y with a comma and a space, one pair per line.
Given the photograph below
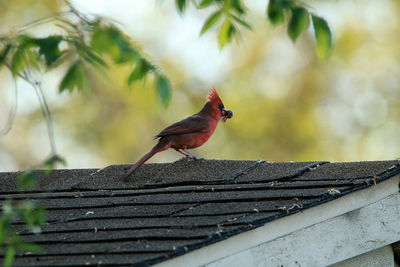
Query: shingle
143, 211
165, 210
46, 182
123, 259
268, 172
348, 170
113, 247
218, 187
182, 198
120, 234
156, 175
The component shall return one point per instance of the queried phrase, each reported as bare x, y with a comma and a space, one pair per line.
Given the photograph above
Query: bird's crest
213, 95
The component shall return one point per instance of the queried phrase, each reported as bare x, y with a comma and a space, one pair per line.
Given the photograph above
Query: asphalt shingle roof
166, 210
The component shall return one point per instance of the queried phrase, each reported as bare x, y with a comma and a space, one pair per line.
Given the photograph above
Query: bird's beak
226, 114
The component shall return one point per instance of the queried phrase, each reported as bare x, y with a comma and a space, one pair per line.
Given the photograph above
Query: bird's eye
221, 107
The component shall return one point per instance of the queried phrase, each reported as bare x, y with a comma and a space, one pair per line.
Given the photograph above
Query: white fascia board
238, 250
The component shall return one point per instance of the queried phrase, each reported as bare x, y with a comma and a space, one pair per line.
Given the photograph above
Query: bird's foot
194, 158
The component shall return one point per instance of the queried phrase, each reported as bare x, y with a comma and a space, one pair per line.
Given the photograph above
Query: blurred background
288, 105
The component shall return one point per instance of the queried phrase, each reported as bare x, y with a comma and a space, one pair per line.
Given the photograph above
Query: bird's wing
194, 123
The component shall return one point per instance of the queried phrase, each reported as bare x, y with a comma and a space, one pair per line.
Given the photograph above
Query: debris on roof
166, 210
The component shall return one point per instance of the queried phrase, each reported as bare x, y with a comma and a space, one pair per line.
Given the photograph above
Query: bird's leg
190, 155
186, 155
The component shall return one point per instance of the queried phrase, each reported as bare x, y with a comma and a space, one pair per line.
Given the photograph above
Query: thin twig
45, 110
74, 11
40, 21
43, 105
11, 115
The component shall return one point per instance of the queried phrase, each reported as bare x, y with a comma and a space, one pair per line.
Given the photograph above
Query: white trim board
239, 249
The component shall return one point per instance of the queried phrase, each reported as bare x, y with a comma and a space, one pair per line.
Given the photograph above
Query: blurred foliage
27, 211
233, 13
85, 42
32, 214
322, 35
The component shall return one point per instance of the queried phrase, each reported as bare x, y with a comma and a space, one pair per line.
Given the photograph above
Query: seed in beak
229, 114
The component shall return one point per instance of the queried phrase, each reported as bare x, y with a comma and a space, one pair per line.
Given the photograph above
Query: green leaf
75, 77
275, 12
237, 6
181, 5
142, 68
33, 215
323, 36
9, 257
48, 47
298, 23
163, 87
102, 42
25, 55
5, 227
7, 208
94, 59
241, 22
226, 33
109, 40
211, 20
39, 217
18, 61
28, 246
26, 180
205, 3
88, 55
4, 53
52, 162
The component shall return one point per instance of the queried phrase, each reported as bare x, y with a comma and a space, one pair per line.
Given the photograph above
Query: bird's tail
161, 146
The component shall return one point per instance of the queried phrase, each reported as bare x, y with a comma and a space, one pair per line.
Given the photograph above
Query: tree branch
45, 110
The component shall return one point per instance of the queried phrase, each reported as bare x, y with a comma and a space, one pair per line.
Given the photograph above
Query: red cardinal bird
190, 132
